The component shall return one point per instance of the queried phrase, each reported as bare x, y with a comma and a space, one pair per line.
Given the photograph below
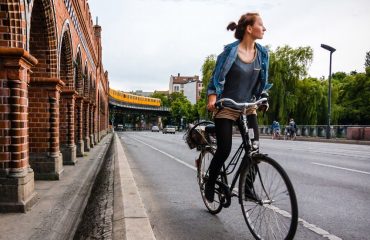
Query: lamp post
331, 50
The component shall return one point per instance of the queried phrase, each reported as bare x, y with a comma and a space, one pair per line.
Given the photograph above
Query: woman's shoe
209, 192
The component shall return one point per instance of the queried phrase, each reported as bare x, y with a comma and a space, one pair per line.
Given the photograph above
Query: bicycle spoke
272, 216
205, 159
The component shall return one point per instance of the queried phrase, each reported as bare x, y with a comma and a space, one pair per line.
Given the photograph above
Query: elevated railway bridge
133, 112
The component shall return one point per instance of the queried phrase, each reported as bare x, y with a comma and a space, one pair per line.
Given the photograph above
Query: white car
169, 129
155, 129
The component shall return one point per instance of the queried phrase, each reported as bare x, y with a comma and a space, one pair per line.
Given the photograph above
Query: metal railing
336, 131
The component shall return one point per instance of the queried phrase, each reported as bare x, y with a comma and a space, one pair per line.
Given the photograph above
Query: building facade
54, 93
190, 86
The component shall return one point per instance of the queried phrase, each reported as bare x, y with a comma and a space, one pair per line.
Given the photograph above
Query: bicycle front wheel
204, 161
268, 200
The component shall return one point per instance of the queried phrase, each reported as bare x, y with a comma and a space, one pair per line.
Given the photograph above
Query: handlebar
231, 103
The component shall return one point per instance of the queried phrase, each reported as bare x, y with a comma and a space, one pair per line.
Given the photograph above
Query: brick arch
78, 76
66, 55
12, 22
43, 40
44, 93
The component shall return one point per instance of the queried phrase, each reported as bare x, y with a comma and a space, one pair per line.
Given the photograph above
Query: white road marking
168, 155
305, 224
347, 169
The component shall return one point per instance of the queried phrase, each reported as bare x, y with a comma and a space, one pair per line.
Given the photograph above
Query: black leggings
224, 131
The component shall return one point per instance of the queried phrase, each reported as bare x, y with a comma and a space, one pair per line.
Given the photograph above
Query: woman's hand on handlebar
211, 102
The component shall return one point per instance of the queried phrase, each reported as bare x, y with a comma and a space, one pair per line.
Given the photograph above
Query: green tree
287, 67
175, 96
339, 75
164, 98
354, 95
310, 94
207, 70
181, 108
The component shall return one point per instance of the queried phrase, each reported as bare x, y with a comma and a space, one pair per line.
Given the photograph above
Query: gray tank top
241, 80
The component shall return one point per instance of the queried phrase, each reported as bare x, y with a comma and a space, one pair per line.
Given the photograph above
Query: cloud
146, 41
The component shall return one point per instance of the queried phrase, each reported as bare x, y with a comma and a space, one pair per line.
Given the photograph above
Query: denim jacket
224, 62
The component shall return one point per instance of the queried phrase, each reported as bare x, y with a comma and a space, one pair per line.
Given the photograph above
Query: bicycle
276, 134
290, 134
265, 193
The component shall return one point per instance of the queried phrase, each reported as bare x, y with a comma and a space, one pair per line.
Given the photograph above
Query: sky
147, 41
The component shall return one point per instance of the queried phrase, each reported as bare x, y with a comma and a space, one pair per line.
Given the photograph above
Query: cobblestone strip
96, 222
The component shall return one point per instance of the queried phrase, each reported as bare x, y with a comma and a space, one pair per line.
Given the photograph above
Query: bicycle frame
244, 146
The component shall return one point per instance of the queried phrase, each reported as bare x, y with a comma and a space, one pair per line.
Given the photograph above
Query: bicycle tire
204, 159
273, 214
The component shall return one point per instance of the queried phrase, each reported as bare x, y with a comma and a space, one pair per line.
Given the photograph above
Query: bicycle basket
197, 136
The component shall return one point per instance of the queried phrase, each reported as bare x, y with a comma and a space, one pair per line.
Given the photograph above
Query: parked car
169, 129
155, 129
119, 127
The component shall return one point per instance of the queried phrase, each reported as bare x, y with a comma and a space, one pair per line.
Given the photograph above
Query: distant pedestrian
275, 127
291, 130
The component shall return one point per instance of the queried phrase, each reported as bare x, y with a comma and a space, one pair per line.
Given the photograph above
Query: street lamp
331, 50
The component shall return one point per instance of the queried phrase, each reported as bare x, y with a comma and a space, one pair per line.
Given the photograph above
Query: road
332, 183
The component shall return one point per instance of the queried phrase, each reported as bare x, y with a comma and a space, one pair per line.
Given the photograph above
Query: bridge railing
355, 132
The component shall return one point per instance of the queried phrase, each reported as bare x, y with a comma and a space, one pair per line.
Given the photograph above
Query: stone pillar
45, 156
86, 123
92, 137
17, 191
67, 127
96, 135
78, 134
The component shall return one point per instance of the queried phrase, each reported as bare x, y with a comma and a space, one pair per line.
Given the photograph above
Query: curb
130, 220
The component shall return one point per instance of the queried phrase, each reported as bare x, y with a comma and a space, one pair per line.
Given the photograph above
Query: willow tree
310, 94
287, 66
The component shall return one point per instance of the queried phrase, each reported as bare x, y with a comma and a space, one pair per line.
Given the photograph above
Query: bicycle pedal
225, 193
225, 201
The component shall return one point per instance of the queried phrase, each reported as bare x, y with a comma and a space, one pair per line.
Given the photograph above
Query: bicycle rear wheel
204, 161
269, 207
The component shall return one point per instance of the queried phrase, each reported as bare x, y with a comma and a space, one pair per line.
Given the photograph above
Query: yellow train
134, 99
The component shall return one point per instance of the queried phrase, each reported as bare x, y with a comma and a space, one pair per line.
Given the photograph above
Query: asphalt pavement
61, 203
330, 181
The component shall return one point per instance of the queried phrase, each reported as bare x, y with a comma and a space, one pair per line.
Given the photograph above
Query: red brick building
53, 93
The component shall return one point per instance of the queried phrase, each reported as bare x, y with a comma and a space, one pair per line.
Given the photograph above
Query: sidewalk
60, 203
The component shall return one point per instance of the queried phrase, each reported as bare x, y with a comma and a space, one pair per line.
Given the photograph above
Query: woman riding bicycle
240, 73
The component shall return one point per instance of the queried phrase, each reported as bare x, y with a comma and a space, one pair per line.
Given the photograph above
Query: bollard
321, 131
304, 131
313, 132
340, 132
